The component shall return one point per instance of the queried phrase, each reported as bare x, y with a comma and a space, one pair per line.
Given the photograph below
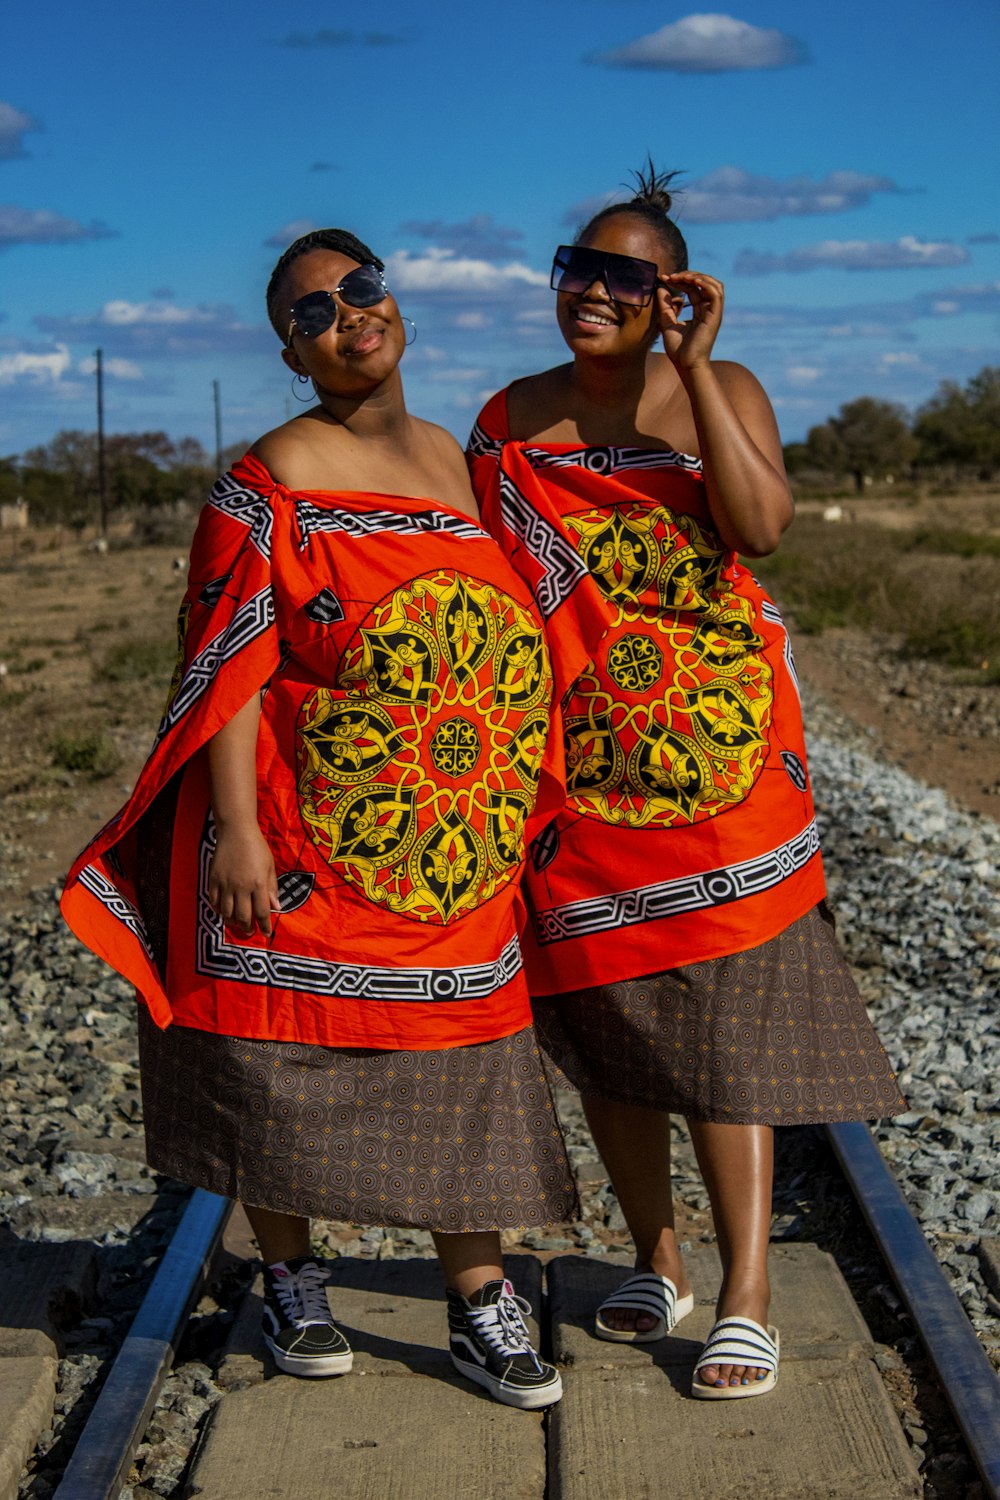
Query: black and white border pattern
673, 898
219, 958
610, 460
563, 567
772, 613
247, 507
599, 460
317, 518
111, 897
253, 619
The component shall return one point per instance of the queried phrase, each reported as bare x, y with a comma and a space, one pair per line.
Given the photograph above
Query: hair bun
653, 187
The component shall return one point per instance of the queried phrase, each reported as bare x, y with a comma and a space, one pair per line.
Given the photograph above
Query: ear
291, 359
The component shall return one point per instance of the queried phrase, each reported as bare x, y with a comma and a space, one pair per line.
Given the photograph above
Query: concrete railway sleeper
99, 1468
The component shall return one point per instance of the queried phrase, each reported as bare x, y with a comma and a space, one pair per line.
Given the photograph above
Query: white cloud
439, 272
472, 319
730, 195
158, 328
41, 369
282, 238
119, 313
803, 374
38, 226
14, 126
118, 369
479, 237
854, 255
707, 44
982, 298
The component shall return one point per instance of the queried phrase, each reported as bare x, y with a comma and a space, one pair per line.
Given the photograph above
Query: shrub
89, 752
137, 661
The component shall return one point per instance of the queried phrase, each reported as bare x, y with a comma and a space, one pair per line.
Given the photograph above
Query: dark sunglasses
577, 267
314, 313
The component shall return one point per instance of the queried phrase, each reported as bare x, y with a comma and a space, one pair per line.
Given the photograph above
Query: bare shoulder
439, 439
282, 443
290, 453
533, 400
736, 380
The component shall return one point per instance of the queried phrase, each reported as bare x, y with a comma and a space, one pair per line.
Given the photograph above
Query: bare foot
749, 1299
624, 1319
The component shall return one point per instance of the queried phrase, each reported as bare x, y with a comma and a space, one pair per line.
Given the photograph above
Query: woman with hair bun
314, 885
680, 953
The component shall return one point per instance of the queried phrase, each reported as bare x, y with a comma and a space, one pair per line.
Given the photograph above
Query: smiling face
590, 321
364, 345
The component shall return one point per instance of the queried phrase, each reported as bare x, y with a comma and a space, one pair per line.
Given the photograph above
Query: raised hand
688, 341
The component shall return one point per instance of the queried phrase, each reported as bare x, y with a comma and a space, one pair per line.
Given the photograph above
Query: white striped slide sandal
738, 1341
649, 1295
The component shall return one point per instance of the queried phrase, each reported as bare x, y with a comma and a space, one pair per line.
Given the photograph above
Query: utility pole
102, 488
218, 426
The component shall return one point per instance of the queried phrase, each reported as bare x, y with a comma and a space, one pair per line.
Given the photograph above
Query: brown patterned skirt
777, 1035
459, 1139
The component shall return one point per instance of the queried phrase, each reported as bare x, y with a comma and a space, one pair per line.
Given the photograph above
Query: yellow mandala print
416, 775
669, 724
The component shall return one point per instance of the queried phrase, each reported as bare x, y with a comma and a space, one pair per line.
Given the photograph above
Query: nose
348, 316
601, 287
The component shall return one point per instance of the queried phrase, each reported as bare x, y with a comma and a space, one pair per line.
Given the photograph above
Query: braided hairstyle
339, 240
651, 204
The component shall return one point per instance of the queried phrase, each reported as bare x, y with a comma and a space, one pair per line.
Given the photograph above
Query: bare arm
745, 481
242, 883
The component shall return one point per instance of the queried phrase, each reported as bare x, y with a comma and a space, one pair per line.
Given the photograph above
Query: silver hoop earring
413, 327
302, 380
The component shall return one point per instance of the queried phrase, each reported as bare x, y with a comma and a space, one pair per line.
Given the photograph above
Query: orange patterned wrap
689, 831
407, 692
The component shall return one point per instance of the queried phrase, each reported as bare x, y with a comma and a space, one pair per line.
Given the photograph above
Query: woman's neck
379, 413
617, 384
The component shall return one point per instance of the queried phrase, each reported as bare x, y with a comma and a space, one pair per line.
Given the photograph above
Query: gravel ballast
914, 881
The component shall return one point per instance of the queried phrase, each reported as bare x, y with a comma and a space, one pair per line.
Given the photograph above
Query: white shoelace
303, 1297
502, 1327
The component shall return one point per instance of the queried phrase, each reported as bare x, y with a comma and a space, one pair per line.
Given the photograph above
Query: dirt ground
86, 639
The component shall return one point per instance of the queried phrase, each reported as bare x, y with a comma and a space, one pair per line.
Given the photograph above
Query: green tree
961, 428
824, 449
867, 438
876, 439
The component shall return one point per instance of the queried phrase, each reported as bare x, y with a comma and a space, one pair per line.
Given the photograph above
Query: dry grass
936, 590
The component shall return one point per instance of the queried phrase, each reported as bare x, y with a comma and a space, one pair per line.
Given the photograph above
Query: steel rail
103, 1454
966, 1376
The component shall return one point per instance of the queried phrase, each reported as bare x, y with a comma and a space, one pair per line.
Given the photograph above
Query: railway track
100, 1464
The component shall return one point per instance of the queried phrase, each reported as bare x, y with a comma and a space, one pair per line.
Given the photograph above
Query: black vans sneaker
298, 1326
491, 1345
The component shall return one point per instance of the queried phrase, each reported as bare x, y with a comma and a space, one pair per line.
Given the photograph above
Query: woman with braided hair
314, 885
680, 953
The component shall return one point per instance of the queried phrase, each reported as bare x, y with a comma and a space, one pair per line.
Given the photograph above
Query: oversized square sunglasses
577, 267
314, 313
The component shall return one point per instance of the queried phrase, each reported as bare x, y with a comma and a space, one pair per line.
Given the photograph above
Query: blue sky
840, 166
